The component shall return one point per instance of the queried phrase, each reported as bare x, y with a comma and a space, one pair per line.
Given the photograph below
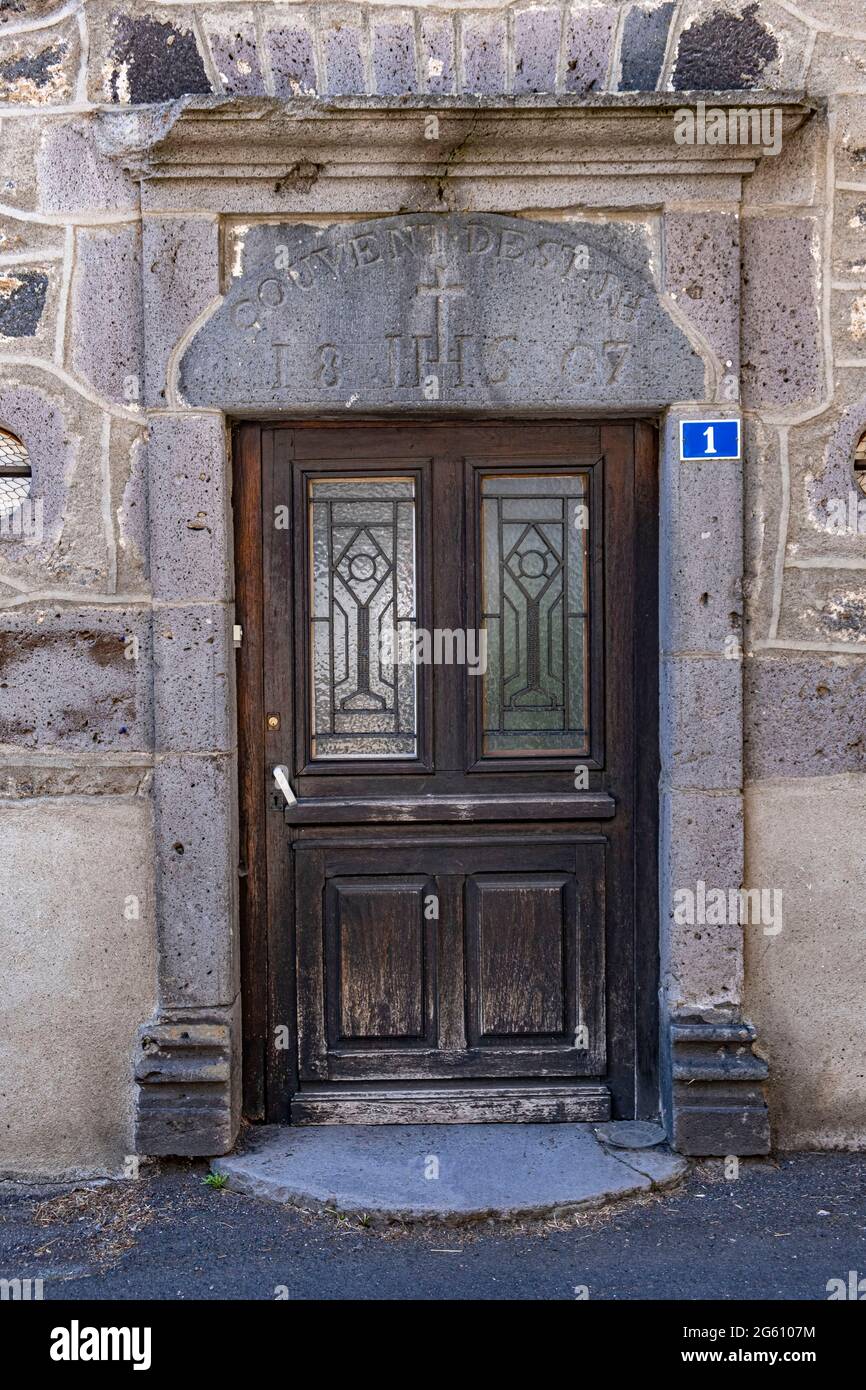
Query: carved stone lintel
715, 1100
188, 1073
447, 305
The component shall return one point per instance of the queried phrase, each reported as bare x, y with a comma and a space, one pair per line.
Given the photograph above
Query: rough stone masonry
123, 245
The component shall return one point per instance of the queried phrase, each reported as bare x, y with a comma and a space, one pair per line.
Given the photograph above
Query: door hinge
237, 634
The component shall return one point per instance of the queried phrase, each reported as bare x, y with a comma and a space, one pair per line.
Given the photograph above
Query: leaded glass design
534, 539
362, 606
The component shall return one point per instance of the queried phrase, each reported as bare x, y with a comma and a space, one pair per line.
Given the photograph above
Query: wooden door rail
320, 810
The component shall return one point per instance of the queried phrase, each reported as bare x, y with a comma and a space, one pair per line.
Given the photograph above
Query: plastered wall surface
810, 996
76, 923
91, 607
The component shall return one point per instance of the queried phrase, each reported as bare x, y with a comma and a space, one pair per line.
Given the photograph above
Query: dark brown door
450, 655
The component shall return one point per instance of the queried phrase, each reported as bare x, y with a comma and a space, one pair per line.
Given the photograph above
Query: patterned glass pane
535, 607
362, 607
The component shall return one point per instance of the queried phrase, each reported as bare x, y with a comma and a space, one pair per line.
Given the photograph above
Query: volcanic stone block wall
86, 610
141, 53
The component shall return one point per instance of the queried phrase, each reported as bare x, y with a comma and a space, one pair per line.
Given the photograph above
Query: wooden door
450, 651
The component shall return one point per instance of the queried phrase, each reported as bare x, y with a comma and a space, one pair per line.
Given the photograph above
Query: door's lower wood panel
337, 1105
375, 940
437, 960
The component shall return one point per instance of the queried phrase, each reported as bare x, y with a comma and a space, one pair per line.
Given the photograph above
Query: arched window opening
15, 474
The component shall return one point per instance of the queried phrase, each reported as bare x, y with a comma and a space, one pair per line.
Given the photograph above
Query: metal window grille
14, 472
860, 463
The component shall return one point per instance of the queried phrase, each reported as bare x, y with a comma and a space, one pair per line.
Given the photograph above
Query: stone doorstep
484, 1171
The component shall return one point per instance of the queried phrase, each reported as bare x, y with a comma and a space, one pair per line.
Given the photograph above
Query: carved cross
441, 292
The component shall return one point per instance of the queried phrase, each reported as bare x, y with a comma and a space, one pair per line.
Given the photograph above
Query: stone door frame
208, 166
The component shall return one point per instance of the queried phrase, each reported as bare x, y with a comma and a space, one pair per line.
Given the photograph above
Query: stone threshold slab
443, 1172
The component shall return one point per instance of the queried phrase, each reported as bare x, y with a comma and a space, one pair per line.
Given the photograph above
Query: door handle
281, 777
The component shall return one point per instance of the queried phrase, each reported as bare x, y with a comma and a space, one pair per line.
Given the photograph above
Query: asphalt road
781, 1230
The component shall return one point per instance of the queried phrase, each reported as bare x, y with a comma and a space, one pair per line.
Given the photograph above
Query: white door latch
281, 777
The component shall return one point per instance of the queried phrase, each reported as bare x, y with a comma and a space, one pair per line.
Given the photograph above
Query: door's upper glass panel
362, 617
535, 609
